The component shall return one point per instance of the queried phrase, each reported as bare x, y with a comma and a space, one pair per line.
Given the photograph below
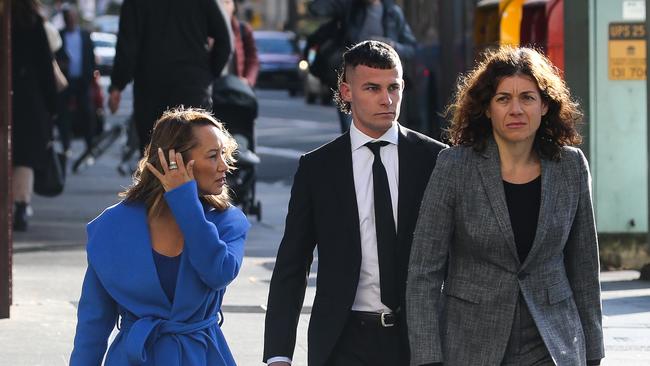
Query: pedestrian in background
357, 199
506, 227
160, 260
33, 102
244, 62
162, 47
76, 58
361, 20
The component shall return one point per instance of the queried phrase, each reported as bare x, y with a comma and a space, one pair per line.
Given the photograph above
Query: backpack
328, 44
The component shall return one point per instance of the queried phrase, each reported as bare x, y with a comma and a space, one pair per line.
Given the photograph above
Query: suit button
522, 275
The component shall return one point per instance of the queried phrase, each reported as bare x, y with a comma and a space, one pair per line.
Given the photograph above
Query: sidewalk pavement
49, 263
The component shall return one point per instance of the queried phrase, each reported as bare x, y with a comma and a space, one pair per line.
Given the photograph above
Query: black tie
385, 229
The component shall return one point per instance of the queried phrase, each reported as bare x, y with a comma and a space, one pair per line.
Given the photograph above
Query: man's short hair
375, 54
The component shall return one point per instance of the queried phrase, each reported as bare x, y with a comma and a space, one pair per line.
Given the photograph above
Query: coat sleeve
219, 29
96, 317
583, 266
251, 61
90, 54
428, 262
44, 69
328, 8
406, 44
215, 254
126, 49
289, 280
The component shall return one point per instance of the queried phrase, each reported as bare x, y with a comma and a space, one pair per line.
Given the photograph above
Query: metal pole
576, 61
647, 93
292, 20
6, 201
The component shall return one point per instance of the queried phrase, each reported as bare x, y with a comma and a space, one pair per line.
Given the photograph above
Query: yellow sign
627, 51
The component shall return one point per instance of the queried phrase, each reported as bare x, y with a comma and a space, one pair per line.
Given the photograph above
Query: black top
523, 206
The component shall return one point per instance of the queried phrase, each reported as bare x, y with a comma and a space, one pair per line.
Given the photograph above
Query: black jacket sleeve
44, 68
329, 8
405, 44
126, 50
218, 29
289, 280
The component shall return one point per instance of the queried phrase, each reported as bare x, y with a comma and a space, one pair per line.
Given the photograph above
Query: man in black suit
357, 198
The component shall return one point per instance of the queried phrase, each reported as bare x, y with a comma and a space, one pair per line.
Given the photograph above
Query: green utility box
618, 116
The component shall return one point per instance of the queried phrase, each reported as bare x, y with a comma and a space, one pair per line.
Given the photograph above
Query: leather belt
382, 320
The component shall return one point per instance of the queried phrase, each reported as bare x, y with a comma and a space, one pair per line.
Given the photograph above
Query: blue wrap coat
121, 286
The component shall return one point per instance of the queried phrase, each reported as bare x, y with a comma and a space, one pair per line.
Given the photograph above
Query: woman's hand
176, 173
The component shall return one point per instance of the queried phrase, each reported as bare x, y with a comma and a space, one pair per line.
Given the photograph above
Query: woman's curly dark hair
469, 123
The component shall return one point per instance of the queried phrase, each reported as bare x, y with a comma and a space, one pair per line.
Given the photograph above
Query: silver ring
173, 165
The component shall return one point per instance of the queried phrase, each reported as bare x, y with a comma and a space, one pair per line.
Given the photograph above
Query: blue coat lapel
123, 259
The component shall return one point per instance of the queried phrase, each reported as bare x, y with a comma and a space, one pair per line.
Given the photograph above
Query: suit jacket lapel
344, 190
551, 176
408, 176
489, 167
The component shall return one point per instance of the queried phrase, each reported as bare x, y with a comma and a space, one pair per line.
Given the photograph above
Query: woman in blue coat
160, 260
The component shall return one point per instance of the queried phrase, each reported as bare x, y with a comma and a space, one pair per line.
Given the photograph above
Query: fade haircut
375, 54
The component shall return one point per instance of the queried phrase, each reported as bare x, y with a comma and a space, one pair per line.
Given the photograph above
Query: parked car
104, 51
279, 61
106, 23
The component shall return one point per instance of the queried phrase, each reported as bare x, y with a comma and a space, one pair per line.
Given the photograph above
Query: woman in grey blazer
504, 266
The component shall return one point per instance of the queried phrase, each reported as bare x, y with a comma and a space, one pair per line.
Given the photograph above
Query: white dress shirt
368, 297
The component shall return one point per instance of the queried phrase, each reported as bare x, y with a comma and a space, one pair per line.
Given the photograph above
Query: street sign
627, 51
634, 10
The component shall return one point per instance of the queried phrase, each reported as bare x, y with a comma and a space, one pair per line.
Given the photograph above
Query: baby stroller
235, 104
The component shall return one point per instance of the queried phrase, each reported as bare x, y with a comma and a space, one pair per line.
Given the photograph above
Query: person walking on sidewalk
160, 260
363, 238
244, 62
162, 46
362, 20
77, 60
33, 102
506, 228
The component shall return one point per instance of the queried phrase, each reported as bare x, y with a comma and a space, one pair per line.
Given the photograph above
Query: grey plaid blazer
465, 276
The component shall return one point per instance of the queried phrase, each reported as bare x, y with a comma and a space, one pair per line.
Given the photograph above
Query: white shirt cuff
278, 359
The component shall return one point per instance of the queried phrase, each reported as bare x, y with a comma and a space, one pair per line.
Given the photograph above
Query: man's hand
244, 80
114, 100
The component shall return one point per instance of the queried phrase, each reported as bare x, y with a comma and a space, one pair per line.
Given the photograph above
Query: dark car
279, 61
104, 51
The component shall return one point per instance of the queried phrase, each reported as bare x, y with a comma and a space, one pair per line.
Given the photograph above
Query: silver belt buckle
383, 320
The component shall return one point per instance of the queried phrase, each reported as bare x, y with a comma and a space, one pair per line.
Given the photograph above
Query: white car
104, 51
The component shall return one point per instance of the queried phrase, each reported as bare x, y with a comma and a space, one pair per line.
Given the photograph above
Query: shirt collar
358, 138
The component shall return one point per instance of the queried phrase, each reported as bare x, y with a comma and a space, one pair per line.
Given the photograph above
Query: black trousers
151, 101
76, 113
368, 344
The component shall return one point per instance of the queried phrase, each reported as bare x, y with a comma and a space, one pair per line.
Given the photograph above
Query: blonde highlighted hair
175, 130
